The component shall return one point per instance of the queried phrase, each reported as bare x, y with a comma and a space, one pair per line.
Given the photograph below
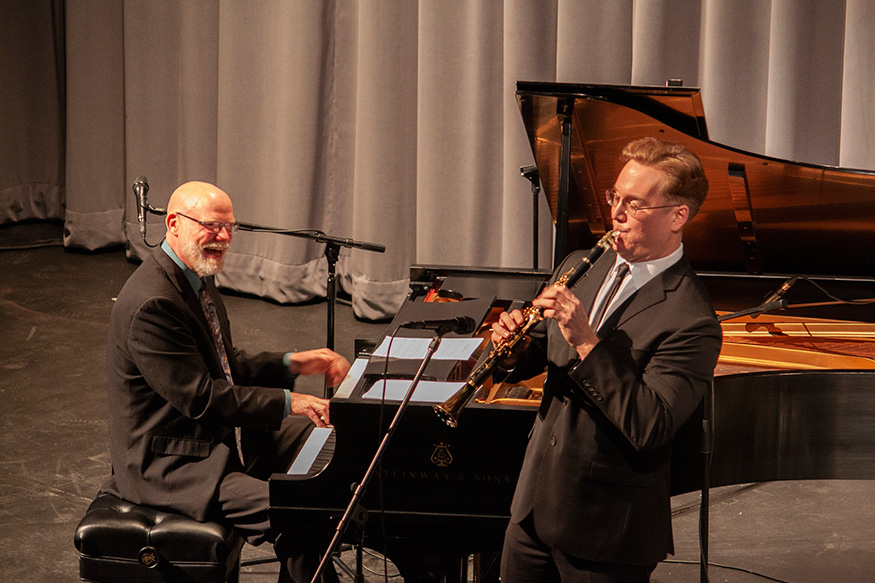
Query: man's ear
172, 223
681, 216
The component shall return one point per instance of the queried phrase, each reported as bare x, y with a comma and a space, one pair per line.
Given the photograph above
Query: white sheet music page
425, 392
352, 377
416, 348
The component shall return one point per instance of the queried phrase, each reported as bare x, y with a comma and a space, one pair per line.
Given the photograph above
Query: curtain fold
459, 133
96, 211
279, 132
858, 80
170, 121
805, 76
734, 71
32, 123
529, 40
385, 122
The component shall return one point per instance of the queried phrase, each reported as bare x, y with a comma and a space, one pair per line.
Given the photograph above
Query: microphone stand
332, 254
708, 442
531, 174
354, 508
760, 309
705, 502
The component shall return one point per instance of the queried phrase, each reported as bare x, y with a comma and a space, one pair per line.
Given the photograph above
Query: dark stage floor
54, 309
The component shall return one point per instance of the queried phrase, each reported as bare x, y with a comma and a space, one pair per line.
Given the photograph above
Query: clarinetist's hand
503, 329
564, 307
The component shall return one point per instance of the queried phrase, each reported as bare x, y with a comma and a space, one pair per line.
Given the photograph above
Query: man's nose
618, 210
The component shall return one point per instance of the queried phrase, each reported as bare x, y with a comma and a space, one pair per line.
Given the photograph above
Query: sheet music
426, 391
416, 348
352, 378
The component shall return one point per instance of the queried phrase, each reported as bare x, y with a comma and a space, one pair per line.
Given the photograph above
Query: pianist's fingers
320, 360
311, 406
337, 370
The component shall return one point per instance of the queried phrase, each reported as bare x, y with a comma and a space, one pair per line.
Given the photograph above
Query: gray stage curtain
391, 122
31, 110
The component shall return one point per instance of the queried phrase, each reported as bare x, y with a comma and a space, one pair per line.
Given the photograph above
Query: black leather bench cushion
113, 533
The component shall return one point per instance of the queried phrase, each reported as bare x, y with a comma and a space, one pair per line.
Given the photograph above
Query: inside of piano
774, 342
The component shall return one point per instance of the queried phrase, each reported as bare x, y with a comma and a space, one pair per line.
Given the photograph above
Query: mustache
218, 246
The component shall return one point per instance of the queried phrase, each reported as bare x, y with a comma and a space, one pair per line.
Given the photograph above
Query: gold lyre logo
441, 456
148, 557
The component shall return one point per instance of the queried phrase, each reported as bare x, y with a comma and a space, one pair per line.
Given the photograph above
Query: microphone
529, 171
140, 188
778, 293
458, 325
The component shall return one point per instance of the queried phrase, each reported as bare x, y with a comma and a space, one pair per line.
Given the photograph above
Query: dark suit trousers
526, 559
243, 499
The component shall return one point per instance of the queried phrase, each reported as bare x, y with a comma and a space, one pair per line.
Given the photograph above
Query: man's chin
208, 267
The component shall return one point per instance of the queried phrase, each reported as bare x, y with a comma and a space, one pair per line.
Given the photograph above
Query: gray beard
203, 266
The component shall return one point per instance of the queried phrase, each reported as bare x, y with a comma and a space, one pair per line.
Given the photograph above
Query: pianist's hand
321, 360
503, 328
311, 406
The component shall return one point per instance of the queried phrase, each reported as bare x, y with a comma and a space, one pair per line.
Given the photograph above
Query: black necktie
216, 330
620, 274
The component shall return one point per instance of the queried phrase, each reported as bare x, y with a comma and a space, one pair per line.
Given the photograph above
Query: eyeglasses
632, 207
213, 226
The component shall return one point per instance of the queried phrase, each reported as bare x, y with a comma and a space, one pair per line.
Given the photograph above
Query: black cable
380, 491
715, 498
729, 567
385, 573
34, 245
857, 302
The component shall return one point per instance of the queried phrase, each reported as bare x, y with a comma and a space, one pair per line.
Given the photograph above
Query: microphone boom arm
317, 236
332, 253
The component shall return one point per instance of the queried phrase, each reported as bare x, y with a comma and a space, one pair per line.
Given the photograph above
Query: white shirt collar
639, 274
643, 271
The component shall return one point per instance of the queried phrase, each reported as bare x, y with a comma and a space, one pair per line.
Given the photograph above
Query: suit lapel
588, 287
652, 293
177, 278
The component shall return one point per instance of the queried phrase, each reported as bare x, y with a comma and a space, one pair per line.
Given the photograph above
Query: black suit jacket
596, 471
171, 412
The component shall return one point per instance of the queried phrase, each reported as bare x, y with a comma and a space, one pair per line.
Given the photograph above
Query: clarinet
450, 409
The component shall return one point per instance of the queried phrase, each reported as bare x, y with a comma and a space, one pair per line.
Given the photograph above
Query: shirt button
553, 441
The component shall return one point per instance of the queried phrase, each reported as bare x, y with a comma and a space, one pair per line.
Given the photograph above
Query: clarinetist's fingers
504, 326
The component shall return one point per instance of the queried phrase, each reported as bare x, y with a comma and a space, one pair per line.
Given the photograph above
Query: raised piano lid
762, 215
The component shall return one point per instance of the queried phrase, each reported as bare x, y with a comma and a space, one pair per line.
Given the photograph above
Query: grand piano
794, 390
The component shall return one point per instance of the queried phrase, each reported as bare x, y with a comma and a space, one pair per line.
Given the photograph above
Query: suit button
553, 440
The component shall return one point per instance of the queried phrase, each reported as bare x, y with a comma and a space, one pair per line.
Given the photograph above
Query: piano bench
120, 541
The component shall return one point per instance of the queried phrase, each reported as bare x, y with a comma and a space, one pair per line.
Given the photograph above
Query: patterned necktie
619, 275
213, 320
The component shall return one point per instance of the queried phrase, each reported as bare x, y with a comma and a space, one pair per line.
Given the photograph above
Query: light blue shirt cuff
287, 360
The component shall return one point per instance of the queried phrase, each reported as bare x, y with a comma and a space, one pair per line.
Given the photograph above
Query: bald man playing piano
197, 425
